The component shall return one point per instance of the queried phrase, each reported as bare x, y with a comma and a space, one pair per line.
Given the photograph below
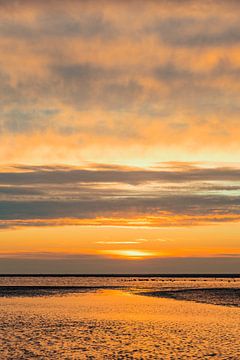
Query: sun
130, 254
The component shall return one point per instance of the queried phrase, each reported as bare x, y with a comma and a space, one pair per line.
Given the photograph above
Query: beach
115, 323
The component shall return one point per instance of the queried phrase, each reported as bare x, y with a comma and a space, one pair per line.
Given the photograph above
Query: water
119, 323
127, 282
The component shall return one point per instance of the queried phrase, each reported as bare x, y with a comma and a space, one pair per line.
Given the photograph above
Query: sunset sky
119, 136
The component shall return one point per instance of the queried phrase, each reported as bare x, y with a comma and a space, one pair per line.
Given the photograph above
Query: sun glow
130, 254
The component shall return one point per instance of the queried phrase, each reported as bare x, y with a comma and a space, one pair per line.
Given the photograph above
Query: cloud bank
166, 195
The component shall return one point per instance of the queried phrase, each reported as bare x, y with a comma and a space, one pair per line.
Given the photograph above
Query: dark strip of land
215, 296
128, 275
10, 291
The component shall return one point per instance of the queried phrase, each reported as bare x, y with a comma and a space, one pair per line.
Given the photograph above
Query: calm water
126, 282
118, 323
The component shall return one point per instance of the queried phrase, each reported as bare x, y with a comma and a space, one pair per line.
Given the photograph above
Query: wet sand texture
224, 296
116, 325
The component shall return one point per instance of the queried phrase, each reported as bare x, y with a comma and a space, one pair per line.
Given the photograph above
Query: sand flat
112, 324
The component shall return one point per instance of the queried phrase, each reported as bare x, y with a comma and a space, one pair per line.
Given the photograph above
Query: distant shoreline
128, 275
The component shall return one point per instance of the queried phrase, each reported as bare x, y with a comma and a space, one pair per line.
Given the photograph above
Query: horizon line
217, 275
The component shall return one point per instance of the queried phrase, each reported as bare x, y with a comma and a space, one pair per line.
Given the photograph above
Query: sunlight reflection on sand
111, 324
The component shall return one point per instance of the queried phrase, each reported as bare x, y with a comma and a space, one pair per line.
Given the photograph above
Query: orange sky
119, 121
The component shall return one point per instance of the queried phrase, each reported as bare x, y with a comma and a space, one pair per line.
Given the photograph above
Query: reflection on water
155, 283
114, 324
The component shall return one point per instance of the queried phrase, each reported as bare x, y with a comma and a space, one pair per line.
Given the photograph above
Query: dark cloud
81, 72
196, 32
85, 84
199, 90
121, 95
174, 72
66, 24
19, 191
57, 175
43, 193
195, 206
18, 121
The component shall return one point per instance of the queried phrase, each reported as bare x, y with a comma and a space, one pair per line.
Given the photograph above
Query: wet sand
114, 324
32, 291
215, 296
218, 296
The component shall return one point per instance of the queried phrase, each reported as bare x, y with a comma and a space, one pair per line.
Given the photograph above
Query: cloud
172, 72
19, 191
90, 84
155, 206
119, 195
196, 32
64, 24
95, 264
28, 121
119, 75
55, 175
119, 242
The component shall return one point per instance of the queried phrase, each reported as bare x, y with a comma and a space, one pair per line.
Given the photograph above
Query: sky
119, 136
